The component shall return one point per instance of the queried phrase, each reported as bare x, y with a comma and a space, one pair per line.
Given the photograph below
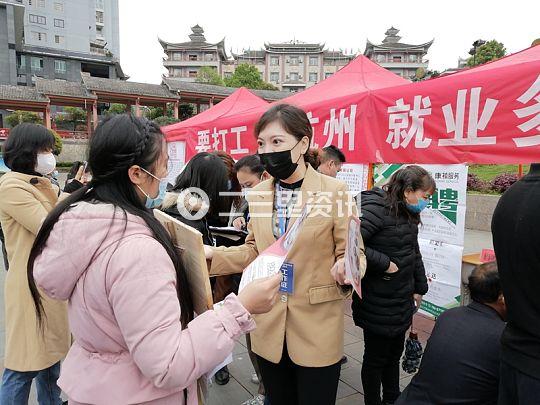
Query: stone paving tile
356, 399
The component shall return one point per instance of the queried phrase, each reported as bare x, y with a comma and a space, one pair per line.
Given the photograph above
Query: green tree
536, 42
186, 111
491, 50
18, 117
162, 121
71, 118
209, 75
115, 108
58, 143
248, 76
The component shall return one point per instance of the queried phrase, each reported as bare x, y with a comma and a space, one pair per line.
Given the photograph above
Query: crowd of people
98, 303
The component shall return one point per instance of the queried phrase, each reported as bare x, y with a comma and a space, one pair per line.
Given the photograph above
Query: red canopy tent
488, 114
350, 85
221, 126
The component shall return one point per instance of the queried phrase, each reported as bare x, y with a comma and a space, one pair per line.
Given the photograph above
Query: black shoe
222, 376
343, 360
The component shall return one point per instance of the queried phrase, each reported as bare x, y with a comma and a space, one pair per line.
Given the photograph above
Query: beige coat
25, 201
310, 320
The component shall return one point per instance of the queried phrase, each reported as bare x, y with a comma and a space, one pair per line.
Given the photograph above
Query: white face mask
46, 163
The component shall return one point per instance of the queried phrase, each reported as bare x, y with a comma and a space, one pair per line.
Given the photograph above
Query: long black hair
409, 178
207, 172
119, 142
23, 144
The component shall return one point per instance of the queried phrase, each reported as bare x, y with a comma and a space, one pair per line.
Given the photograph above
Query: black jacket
516, 235
461, 361
387, 303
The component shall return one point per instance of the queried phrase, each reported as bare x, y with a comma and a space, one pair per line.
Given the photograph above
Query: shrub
502, 182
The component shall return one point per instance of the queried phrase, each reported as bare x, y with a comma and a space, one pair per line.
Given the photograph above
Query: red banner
489, 114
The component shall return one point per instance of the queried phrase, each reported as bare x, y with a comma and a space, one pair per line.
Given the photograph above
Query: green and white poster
441, 235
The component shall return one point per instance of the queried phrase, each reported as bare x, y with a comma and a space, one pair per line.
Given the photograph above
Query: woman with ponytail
130, 304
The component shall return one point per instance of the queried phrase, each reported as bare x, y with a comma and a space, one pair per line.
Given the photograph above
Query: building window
39, 36
99, 17
228, 75
99, 4
21, 61
41, 3
396, 59
58, 23
313, 77
59, 39
274, 61
176, 56
294, 61
412, 58
274, 77
313, 61
37, 19
36, 63
327, 75
209, 57
99, 31
60, 66
381, 58
192, 73
193, 57
59, 7
29, 2
293, 76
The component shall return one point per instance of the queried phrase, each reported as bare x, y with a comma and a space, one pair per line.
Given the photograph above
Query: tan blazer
25, 201
310, 320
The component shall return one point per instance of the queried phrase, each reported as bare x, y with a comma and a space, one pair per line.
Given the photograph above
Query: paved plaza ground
239, 389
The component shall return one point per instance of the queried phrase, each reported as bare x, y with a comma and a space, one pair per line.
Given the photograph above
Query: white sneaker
257, 400
254, 378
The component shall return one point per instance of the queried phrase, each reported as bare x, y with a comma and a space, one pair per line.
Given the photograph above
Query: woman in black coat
395, 279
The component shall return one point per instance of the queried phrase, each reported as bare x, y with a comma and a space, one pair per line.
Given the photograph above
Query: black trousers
287, 383
516, 388
381, 366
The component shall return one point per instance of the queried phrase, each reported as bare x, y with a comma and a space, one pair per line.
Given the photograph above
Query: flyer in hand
352, 260
272, 259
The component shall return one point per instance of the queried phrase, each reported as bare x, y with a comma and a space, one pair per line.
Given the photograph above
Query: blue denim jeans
16, 386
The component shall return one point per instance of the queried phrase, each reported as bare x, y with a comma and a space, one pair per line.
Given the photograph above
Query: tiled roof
62, 88
21, 93
98, 84
191, 87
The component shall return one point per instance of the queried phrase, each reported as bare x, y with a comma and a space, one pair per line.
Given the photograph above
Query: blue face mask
419, 206
152, 203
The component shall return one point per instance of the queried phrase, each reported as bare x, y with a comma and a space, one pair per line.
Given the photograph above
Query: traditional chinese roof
293, 46
219, 91
97, 84
21, 93
249, 54
391, 42
337, 55
62, 88
197, 42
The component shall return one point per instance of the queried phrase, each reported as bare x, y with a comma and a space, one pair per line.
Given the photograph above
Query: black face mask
279, 164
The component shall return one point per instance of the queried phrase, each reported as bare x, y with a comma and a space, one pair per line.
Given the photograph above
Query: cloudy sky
340, 24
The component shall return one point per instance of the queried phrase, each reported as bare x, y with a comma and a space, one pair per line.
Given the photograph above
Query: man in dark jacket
516, 230
461, 361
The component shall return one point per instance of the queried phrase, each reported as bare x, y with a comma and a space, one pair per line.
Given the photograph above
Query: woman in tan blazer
299, 343
26, 197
